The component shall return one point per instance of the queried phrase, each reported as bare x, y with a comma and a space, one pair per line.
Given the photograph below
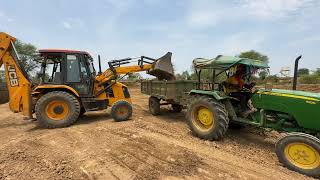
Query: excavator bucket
162, 68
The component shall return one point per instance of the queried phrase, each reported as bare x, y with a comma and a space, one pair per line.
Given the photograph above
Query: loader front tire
121, 111
57, 109
207, 118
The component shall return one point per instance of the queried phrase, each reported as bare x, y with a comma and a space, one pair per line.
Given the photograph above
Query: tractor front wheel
57, 109
207, 118
300, 152
121, 111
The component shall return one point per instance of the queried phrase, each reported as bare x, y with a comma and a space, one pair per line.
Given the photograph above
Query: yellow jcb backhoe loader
69, 85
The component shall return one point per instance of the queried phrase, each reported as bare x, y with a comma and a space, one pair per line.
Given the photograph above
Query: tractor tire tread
221, 118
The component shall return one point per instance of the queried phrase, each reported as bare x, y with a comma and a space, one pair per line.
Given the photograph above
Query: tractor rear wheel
57, 109
207, 118
154, 105
300, 152
121, 111
176, 108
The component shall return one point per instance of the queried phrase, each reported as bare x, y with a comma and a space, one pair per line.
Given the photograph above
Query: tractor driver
235, 85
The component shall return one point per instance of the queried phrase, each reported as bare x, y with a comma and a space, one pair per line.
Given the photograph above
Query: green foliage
263, 75
273, 79
303, 71
27, 52
252, 54
310, 79
183, 76
133, 77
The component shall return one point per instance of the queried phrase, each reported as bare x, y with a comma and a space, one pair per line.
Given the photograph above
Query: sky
280, 29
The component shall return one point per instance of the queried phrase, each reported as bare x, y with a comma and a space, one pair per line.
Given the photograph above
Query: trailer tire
57, 109
207, 118
121, 111
177, 107
154, 105
300, 152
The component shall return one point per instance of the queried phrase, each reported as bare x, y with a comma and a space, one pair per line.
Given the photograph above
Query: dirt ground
145, 147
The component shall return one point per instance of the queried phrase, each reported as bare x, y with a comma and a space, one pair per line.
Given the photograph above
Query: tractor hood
291, 93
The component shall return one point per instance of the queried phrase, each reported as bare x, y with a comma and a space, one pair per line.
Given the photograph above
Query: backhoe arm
19, 86
108, 74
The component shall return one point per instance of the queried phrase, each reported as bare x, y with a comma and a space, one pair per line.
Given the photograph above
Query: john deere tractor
211, 111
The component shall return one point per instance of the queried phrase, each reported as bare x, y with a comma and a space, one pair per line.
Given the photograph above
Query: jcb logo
13, 78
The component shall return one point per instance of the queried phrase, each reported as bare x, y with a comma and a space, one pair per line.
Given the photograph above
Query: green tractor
211, 111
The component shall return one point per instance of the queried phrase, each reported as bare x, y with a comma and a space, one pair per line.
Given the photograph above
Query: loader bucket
162, 68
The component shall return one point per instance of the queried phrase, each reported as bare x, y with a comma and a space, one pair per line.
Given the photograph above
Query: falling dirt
145, 147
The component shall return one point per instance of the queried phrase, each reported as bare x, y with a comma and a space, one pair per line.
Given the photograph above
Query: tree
27, 53
133, 77
254, 55
303, 71
263, 75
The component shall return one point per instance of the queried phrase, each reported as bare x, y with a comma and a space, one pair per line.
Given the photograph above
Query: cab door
77, 75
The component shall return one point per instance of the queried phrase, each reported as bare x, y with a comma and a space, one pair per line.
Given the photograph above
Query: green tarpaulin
224, 62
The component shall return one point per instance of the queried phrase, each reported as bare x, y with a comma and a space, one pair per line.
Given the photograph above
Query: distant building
285, 72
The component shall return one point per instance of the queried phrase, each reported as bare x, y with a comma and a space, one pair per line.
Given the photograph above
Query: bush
310, 79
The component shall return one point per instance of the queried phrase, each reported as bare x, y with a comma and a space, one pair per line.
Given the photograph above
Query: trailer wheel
207, 118
300, 152
154, 105
176, 108
121, 111
57, 109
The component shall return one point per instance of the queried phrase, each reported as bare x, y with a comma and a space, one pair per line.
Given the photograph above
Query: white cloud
242, 41
66, 25
70, 23
200, 19
10, 19
268, 9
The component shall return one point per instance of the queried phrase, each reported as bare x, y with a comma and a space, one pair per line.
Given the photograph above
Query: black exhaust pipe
100, 72
295, 75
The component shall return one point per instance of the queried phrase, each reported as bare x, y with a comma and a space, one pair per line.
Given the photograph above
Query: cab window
73, 70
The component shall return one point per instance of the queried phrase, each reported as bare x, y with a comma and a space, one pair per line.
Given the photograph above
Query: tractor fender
52, 87
215, 94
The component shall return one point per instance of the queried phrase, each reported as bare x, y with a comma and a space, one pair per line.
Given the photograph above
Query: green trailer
210, 111
174, 92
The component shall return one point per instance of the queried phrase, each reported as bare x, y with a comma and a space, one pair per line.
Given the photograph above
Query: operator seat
57, 78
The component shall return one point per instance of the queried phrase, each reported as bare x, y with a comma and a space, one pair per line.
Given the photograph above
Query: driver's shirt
234, 84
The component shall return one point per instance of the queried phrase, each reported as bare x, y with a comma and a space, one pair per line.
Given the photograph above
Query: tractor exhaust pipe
295, 75
99, 59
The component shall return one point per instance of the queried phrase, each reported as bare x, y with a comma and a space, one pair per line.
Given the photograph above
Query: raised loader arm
18, 84
161, 68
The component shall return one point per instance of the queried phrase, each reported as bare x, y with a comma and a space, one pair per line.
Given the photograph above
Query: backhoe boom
19, 86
